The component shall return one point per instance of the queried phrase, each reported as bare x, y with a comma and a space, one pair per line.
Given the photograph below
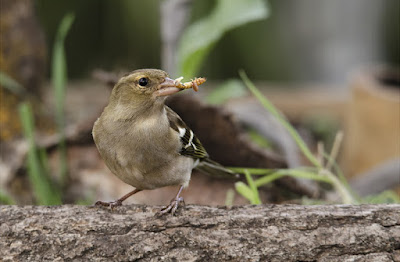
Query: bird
144, 142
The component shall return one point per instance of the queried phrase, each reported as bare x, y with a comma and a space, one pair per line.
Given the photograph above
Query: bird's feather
191, 145
214, 169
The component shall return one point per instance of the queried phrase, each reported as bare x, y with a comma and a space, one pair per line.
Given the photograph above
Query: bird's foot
172, 207
112, 204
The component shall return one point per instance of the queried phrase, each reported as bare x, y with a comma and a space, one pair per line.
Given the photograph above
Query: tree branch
198, 233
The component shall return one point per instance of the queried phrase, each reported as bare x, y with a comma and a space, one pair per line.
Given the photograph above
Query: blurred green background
307, 40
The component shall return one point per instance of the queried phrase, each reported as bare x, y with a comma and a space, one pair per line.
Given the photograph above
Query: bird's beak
166, 88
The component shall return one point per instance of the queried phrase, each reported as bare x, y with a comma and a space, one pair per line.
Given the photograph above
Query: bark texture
200, 233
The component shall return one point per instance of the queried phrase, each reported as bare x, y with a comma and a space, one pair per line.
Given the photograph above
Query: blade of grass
321, 174
338, 170
335, 150
253, 171
245, 191
44, 160
305, 174
230, 196
268, 179
45, 195
271, 108
345, 194
12, 85
59, 78
342, 179
253, 187
293, 173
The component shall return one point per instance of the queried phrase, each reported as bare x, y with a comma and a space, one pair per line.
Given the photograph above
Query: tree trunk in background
199, 233
174, 17
334, 37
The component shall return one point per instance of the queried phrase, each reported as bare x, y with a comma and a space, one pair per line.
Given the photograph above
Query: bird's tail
215, 169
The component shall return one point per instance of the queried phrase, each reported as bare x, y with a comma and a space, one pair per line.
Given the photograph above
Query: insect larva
192, 84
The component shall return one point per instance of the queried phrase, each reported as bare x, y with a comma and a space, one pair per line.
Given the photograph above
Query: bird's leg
173, 206
117, 202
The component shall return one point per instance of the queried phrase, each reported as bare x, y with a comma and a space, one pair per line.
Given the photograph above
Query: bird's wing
191, 145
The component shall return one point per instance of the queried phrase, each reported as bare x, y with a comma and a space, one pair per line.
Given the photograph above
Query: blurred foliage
255, 47
6, 199
12, 85
199, 38
386, 197
227, 90
46, 193
126, 34
250, 191
323, 127
230, 196
259, 139
281, 119
10, 93
106, 34
9, 127
318, 171
59, 79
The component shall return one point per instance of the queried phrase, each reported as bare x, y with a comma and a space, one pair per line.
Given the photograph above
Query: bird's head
148, 84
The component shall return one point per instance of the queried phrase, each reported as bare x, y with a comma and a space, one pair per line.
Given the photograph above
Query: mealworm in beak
192, 84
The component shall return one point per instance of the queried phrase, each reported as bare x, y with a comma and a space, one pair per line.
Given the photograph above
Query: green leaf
227, 90
256, 198
199, 38
341, 176
244, 190
59, 65
249, 192
59, 79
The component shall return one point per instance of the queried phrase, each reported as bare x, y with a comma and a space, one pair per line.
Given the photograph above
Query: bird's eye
143, 81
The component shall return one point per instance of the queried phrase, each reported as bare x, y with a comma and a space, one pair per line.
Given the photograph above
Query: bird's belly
175, 172
148, 167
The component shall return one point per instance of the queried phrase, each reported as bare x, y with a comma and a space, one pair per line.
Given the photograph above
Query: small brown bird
144, 142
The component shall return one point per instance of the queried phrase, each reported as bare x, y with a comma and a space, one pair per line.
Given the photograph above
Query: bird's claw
112, 204
172, 207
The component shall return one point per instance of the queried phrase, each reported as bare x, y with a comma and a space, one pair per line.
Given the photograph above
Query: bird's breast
142, 153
